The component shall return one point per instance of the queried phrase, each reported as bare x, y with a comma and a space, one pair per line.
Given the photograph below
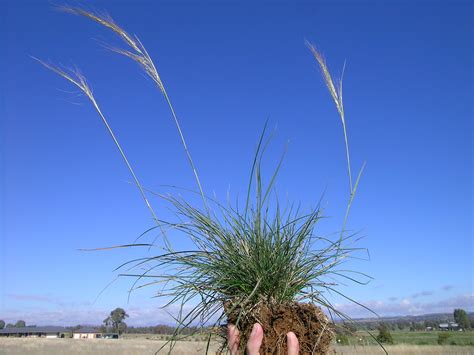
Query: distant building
87, 333
110, 335
56, 332
92, 333
36, 332
449, 326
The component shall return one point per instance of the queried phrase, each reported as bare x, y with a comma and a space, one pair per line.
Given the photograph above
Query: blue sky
228, 66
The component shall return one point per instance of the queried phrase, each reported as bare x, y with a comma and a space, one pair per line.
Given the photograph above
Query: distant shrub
443, 338
350, 328
342, 339
384, 335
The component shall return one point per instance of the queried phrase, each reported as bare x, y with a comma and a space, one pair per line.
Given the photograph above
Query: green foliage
345, 330
443, 337
265, 252
20, 324
417, 326
2, 324
417, 338
401, 324
118, 315
262, 252
461, 317
342, 339
122, 327
9, 325
384, 336
350, 328
116, 320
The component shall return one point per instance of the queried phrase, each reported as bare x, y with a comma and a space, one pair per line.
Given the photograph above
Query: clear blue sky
227, 67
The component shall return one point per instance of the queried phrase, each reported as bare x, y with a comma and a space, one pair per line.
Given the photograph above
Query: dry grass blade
118, 247
104, 20
139, 54
336, 94
72, 75
327, 78
77, 78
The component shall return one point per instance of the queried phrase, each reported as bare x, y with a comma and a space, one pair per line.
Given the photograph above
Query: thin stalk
76, 78
139, 54
185, 146
348, 158
122, 153
336, 93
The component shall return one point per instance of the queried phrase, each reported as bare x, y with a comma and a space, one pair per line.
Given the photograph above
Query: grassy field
143, 346
405, 350
417, 338
431, 338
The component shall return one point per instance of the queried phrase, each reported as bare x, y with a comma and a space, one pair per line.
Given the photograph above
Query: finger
233, 339
293, 345
255, 340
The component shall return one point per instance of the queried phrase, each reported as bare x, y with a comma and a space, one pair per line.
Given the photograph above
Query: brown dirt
307, 321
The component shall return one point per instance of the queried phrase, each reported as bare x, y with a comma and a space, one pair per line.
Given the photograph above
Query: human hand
255, 341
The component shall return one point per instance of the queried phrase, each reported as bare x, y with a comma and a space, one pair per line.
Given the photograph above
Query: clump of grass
264, 253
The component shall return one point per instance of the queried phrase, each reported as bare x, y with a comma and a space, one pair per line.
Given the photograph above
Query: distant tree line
459, 316
18, 324
115, 322
161, 329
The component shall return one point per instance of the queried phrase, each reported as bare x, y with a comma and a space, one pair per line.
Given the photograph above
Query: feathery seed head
105, 20
336, 93
72, 75
137, 51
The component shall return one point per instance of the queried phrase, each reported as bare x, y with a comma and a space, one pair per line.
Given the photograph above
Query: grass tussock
264, 253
